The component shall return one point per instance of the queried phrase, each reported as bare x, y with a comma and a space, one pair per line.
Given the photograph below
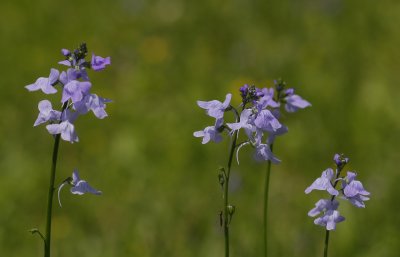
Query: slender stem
47, 238
50, 197
266, 190
226, 195
332, 198
326, 243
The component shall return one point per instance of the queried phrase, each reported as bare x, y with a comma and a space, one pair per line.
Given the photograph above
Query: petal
83, 187
54, 129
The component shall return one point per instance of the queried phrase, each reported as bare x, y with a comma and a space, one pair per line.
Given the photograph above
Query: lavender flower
92, 102
246, 122
211, 133
323, 183
79, 186
330, 216
266, 121
329, 219
46, 113
294, 102
263, 153
215, 108
75, 91
354, 191
99, 63
66, 127
45, 84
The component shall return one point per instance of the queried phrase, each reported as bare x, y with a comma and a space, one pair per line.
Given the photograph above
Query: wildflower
46, 113
45, 84
354, 191
329, 219
66, 127
75, 91
323, 183
79, 187
263, 153
330, 216
215, 108
294, 102
94, 103
266, 121
211, 133
99, 63
246, 122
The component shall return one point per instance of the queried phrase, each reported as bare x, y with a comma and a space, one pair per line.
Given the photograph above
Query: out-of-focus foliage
161, 193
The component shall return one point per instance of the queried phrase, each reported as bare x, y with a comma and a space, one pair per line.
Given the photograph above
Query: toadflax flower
99, 63
46, 113
211, 133
66, 127
323, 183
294, 102
354, 190
94, 103
45, 84
79, 186
330, 215
215, 108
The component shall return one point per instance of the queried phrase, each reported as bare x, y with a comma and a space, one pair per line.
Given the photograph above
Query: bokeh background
161, 194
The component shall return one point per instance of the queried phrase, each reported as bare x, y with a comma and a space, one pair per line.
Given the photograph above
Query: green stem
50, 196
332, 198
51, 191
266, 190
326, 243
226, 195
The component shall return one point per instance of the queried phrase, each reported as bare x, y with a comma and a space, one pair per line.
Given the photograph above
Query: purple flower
211, 133
294, 102
264, 153
330, 215
45, 84
75, 91
267, 99
215, 108
354, 191
99, 63
246, 122
94, 103
46, 113
79, 186
73, 74
329, 219
324, 183
266, 121
65, 128
322, 206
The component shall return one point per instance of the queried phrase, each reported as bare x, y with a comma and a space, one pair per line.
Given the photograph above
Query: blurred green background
161, 196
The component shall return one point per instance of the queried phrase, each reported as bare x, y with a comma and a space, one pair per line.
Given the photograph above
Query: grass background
161, 194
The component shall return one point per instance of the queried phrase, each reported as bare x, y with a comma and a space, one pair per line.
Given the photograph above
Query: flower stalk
228, 210
266, 191
47, 238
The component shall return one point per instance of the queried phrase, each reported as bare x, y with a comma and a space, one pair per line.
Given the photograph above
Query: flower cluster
258, 117
351, 190
76, 98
